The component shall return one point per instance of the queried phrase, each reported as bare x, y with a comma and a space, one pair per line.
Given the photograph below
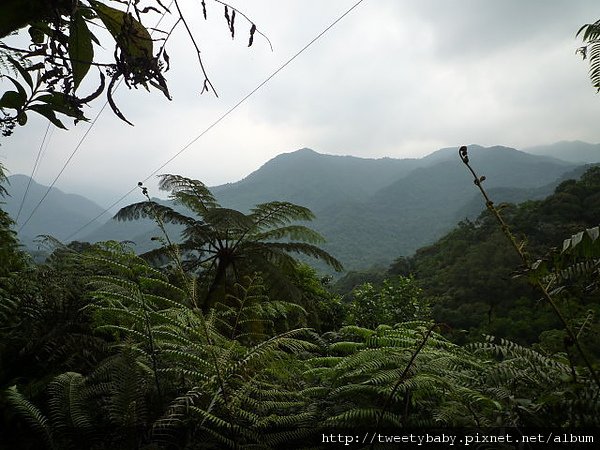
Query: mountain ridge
51, 214
374, 210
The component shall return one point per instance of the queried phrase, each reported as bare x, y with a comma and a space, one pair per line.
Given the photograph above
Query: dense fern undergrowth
226, 341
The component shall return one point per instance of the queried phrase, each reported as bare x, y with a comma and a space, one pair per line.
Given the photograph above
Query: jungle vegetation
227, 341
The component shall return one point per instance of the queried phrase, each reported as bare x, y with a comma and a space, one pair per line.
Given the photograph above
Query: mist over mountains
58, 214
370, 210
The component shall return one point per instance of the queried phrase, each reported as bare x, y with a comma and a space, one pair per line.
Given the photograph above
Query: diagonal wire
35, 166
223, 116
64, 166
77, 147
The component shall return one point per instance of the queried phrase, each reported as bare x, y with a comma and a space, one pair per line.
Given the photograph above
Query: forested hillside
213, 318
470, 273
371, 210
226, 341
375, 205
58, 215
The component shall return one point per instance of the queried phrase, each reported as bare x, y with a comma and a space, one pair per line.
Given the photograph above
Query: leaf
593, 233
37, 35
22, 118
31, 413
12, 100
22, 71
19, 87
252, 31
81, 50
48, 113
111, 102
576, 239
167, 60
133, 38
232, 24
59, 104
227, 17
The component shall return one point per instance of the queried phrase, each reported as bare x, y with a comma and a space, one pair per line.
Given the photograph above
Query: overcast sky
396, 78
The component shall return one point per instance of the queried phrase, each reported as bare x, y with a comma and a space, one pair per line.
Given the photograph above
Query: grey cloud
394, 78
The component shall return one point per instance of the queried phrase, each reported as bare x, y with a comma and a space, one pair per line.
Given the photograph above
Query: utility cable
78, 146
35, 165
223, 116
63, 167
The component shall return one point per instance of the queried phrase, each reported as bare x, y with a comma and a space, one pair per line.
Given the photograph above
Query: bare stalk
519, 248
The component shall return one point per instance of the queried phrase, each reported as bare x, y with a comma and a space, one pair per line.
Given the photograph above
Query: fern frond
68, 407
152, 210
275, 214
31, 414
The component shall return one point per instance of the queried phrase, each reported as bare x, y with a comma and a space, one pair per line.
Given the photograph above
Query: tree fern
590, 33
224, 244
217, 372
542, 390
32, 414
401, 376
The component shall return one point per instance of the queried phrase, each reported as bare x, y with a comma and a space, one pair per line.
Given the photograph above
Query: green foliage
538, 390
354, 278
325, 310
175, 369
100, 349
31, 413
223, 244
469, 274
590, 34
61, 53
401, 376
396, 300
11, 259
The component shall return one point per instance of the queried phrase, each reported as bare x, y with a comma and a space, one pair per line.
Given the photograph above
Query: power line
234, 107
223, 116
63, 167
81, 140
35, 165
45, 148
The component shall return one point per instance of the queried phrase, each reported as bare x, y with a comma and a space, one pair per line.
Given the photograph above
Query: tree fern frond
345, 347
30, 413
359, 416
226, 219
275, 214
292, 232
192, 193
152, 210
303, 249
68, 407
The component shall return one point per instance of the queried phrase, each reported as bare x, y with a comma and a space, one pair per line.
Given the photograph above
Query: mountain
304, 177
517, 195
59, 215
572, 151
370, 210
314, 180
374, 210
421, 206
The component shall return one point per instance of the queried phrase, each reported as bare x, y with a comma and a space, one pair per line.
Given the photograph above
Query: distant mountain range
572, 151
370, 210
58, 215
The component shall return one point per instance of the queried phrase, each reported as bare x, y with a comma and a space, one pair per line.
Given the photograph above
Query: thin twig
206, 79
237, 11
462, 152
403, 375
